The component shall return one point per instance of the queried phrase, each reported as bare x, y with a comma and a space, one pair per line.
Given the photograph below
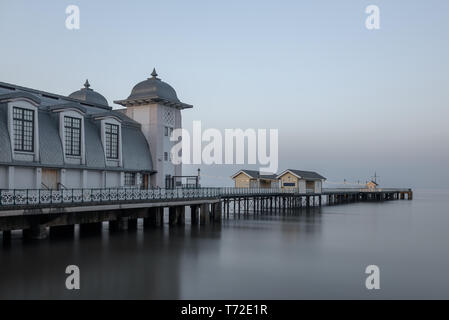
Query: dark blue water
319, 253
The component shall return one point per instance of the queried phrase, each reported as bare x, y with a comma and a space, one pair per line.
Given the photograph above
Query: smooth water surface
320, 253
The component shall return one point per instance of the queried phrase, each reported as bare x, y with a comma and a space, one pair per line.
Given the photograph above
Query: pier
41, 212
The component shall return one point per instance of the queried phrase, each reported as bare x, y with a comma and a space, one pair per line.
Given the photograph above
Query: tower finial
154, 73
87, 84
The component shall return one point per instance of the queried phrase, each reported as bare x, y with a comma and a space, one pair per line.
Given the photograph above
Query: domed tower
88, 95
155, 105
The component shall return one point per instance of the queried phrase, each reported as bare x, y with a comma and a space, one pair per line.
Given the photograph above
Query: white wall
302, 186
73, 179
94, 179
113, 179
154, 118
318, 186
24, 178
3, 177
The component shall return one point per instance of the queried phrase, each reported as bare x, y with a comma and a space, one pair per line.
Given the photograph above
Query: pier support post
120, 224
62, 231
217, 212
132, 224
194, 214
90, 228
6, 236
204, 214
154, 218
36, 232
172, 216
180, 215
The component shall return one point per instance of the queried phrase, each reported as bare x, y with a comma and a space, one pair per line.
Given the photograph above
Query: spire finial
154, 73
86, 84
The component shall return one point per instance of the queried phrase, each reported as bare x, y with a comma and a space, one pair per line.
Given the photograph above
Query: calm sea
320, 253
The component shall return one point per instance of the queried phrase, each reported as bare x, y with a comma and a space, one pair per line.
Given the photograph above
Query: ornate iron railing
67, 196
39, 197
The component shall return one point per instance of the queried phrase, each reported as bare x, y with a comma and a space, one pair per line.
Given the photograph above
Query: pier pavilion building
50, 141
304, 181
254, 179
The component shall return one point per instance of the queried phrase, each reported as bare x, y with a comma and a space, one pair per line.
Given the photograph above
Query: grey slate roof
87, 94
307, 174
5, 142
153, 90
136, 153
94, 147
50, 146
257, 175
13, 95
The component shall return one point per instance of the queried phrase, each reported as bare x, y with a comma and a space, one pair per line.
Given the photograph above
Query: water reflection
293, 254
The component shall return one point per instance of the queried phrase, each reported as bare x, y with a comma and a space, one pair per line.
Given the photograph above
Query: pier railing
351, 190
80, 196
39, 197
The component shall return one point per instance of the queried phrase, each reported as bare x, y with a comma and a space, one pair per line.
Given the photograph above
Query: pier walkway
34, 211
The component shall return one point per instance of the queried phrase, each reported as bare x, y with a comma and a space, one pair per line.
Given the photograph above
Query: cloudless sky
347, 101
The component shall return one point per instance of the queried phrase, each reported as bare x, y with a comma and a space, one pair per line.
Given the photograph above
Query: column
180, 215
120, 224
172, 216
204, 214
194, 214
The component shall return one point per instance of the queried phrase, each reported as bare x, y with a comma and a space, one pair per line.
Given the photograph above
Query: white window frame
110, 161
28, 105
69, 158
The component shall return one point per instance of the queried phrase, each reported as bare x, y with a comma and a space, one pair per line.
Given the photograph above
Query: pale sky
347, 101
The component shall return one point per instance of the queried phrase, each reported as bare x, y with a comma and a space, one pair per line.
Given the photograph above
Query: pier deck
35, 210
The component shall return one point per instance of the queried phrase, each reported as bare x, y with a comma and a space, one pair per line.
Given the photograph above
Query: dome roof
89, 95
154, 88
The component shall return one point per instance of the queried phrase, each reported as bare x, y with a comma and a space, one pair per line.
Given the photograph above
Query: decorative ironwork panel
105, 195
136, 194
113, 194
144, 194
45, 196
7, 197
20, 197
121, 194
129, 194
77, 195
33, 197
87, 195
67, 196
96, 195
56, 196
